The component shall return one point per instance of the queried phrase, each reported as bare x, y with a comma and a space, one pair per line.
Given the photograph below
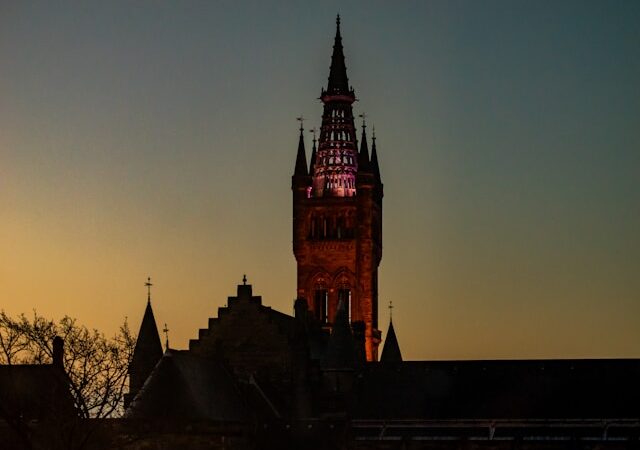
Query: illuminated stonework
337, 213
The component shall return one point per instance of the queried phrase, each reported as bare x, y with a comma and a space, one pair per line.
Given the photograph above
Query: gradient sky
158, 138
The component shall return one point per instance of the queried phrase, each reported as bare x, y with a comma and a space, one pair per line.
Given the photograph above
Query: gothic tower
337, 212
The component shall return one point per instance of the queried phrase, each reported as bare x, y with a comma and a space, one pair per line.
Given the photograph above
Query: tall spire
363, 156
148, 349
338, 81
301, 158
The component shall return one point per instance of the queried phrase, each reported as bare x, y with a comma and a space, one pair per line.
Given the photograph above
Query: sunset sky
153, 138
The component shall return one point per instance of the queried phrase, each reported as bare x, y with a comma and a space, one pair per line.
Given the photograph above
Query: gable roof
183, 386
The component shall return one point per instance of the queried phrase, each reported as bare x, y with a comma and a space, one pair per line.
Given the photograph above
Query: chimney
58, 352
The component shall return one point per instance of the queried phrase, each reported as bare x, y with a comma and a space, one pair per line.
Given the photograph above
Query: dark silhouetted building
257, 378
35, 400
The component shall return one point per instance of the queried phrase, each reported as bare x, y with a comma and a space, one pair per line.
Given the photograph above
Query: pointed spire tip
338, 81
301, 157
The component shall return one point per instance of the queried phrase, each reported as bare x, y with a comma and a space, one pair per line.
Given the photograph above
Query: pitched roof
183, 386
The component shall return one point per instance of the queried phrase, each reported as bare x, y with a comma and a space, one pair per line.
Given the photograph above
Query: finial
390, 310
148, 285
313, 130
301, 120
244, 279
165, 330
338, 20
363, 116
373, 132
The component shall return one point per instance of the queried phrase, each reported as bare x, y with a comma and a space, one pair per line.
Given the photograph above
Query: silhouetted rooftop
182, 386
510, 389
34, 391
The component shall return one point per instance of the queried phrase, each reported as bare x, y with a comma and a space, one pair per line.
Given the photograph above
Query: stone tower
337, 212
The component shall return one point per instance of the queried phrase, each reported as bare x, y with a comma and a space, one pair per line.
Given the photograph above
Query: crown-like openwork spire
336, 159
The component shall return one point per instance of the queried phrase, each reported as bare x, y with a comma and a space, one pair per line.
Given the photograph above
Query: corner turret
391, 350
363, 157
147, 352
301, 157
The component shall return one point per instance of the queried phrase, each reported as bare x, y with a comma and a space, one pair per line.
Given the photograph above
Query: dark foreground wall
129, 434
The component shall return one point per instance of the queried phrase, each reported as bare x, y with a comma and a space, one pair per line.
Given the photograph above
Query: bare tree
96, 365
